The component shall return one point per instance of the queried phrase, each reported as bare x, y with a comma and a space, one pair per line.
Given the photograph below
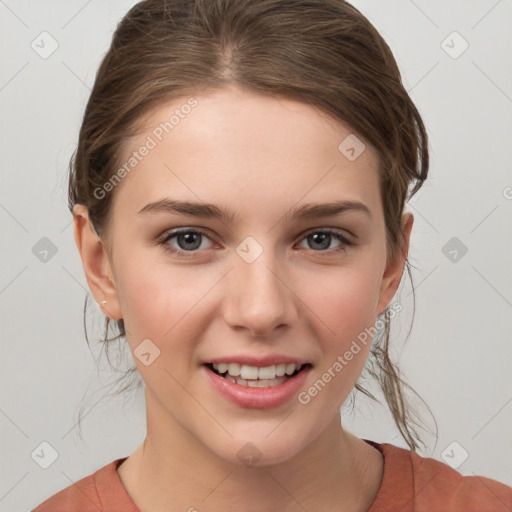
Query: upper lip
251, 360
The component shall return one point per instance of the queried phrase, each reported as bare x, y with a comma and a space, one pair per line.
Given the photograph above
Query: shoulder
81, 496
413, 483
92, 493
435, 480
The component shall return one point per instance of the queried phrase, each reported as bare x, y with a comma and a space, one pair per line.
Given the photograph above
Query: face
262, 285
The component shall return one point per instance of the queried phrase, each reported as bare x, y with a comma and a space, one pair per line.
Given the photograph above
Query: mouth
257, 377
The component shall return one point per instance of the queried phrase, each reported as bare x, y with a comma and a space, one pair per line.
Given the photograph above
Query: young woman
238, 198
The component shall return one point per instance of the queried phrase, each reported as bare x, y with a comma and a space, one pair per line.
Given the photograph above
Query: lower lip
257, 398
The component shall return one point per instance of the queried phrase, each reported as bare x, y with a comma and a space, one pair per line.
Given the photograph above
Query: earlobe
394, 269
96, 263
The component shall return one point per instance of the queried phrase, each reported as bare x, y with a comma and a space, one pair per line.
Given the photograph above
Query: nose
259, 298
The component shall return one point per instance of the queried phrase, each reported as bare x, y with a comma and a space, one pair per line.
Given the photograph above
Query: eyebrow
305, 211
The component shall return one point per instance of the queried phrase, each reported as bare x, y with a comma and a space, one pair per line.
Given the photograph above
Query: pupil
324, 237
190, 238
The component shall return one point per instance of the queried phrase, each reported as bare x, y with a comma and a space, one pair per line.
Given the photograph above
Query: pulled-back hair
321, 52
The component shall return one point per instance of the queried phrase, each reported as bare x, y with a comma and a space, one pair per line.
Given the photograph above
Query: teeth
234, 369
265, 383
290, 368
253, 373
280, 370
267, 372
249, 372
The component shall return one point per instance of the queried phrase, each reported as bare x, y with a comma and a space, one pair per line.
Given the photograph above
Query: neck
336, 471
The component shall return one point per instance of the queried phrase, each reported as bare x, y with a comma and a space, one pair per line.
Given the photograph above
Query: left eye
189, 241
324, 239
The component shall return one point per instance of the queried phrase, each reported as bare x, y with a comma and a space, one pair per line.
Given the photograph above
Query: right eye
188, 240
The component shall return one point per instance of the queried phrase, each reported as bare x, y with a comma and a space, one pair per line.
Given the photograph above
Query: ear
395, 267
96, 264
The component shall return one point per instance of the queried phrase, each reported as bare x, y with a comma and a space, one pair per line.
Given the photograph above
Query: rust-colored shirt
410, 483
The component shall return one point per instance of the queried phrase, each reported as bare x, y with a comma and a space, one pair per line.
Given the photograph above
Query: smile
254, 376
243, 373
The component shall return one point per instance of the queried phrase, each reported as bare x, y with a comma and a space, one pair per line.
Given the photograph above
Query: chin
259, 452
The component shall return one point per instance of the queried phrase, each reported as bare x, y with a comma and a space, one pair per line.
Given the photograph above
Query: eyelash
178, 252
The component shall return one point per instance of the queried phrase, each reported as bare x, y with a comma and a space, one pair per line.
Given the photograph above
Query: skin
260, 156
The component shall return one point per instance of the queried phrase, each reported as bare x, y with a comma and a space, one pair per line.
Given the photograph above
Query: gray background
458, 354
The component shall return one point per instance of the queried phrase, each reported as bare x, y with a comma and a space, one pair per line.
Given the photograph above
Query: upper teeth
246, 371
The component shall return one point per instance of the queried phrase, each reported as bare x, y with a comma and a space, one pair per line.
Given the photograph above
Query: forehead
246, 149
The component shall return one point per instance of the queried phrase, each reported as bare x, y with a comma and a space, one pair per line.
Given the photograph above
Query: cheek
342, 311
163, 302
343, 299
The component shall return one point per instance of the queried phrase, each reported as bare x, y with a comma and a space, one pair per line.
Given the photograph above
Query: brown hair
321, 52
